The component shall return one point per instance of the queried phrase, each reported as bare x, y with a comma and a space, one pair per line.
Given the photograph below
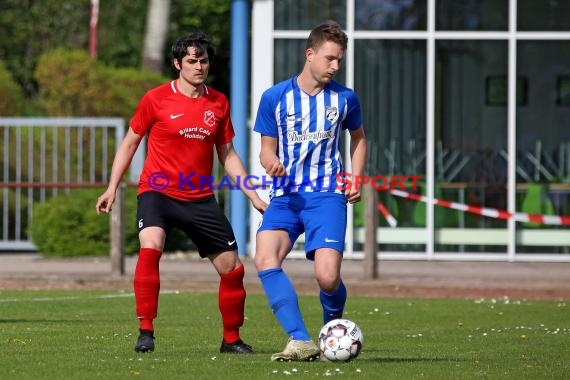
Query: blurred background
473, 95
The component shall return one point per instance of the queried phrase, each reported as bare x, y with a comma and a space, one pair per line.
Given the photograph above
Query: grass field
90, 335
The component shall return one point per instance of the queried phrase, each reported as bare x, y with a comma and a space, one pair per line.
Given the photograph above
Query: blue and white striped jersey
308, 130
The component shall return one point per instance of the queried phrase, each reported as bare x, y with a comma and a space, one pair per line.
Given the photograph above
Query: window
390, 15
472, 14
306, 14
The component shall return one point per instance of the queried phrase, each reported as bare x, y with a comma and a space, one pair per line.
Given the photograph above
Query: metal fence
47, 157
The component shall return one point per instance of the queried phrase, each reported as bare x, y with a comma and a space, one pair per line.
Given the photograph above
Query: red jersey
182, 133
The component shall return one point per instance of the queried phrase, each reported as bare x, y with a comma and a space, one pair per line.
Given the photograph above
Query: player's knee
260, 261
225, 262
328, 282
233, 265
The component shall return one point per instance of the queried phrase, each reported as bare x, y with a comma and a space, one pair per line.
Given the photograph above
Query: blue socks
284, 302
333, 303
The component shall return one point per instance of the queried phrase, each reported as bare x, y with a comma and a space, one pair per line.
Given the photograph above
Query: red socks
231, 296
231, 301
147, 287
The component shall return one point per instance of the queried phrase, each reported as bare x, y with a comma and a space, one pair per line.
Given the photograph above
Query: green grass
86, 335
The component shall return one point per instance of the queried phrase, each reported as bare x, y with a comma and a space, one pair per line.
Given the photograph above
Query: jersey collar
174, 87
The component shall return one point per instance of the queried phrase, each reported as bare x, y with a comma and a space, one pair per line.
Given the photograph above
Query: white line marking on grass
74, 298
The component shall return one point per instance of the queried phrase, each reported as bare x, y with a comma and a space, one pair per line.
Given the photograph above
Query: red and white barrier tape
485, 211
389, 217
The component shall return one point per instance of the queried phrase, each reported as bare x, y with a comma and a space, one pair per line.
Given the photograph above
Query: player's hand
275, 169
259, 205
105, 202
352, 195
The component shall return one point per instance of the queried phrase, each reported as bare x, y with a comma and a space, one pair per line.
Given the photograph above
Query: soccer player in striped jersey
301, 121
184, 120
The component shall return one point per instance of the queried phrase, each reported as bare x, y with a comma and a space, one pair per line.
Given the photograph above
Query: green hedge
73, 84
67, 225
12, 99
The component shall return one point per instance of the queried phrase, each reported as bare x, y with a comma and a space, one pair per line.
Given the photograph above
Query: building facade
471, 95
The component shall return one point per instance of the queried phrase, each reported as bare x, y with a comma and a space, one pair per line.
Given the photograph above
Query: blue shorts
320, 215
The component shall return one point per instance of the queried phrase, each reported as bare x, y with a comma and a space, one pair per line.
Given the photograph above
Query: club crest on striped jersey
331, 113
209, 118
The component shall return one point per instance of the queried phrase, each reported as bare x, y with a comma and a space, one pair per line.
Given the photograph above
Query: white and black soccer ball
340, 340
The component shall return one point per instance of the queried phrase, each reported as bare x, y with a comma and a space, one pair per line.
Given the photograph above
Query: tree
11, 101
212, 17
31, 28
157, 22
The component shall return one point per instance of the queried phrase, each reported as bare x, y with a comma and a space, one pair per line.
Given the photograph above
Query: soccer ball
340, 340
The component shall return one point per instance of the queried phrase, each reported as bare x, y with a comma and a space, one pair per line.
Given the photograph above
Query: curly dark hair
198, 40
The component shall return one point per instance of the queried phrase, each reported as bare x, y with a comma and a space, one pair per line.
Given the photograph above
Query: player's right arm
121, 163
268, 158
266, 126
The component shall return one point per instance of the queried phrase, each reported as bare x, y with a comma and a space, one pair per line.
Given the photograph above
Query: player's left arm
358, 148
234, 167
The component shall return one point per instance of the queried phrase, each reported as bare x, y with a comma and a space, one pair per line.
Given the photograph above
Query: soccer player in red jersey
184, 120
